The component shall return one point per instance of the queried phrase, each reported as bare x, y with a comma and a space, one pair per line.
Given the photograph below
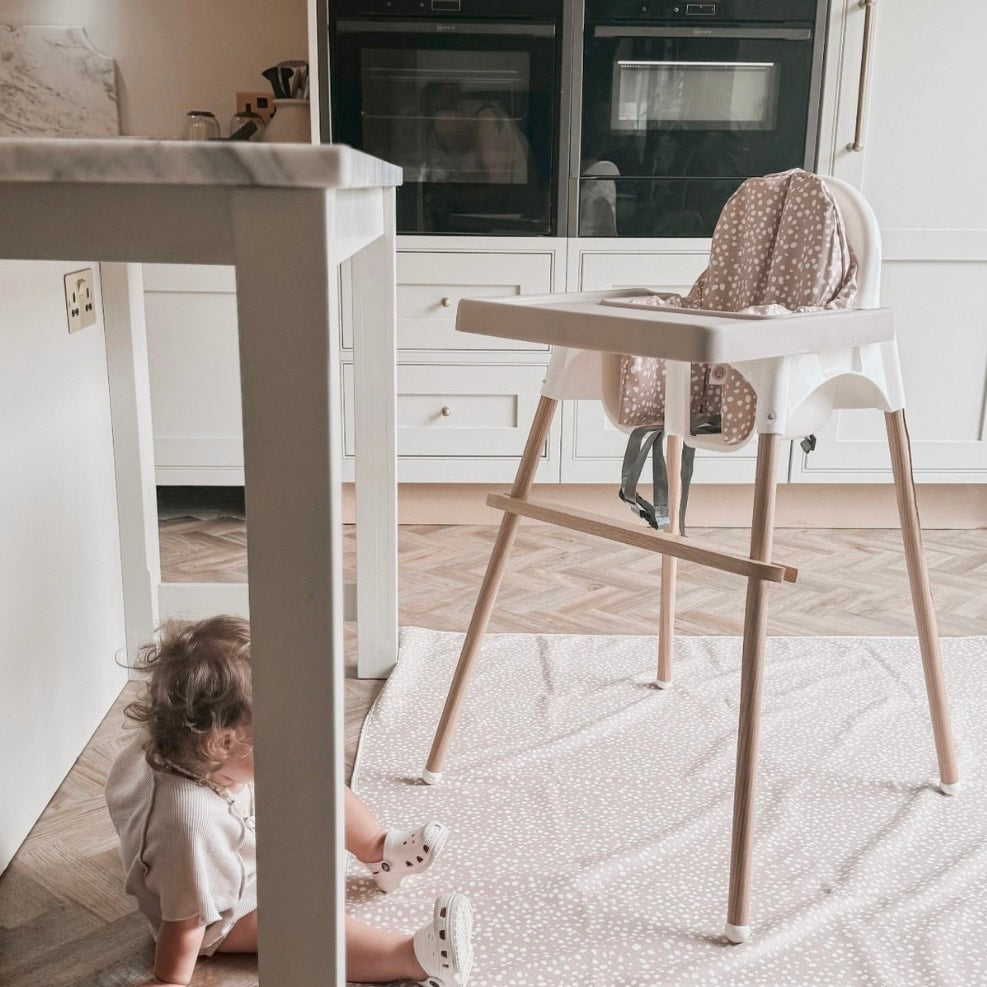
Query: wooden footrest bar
629, 533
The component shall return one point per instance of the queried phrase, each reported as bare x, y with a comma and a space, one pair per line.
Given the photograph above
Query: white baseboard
710, 506
194, 601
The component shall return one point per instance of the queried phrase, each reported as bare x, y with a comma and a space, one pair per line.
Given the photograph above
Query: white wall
178, 55
61, 605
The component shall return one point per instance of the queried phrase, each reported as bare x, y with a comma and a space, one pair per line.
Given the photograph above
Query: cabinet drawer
450, 410
670, 272
430, 285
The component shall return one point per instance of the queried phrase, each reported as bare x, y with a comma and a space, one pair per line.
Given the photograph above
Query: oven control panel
686, 11
473, 9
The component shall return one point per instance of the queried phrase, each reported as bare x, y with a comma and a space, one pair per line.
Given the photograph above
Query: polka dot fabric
779, 246
590, 812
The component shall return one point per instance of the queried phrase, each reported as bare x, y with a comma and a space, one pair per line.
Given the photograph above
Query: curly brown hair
200, 681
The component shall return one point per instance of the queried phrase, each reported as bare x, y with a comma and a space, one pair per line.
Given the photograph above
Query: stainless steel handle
446, 411
747, 33
857, 144
444, 27
446, 302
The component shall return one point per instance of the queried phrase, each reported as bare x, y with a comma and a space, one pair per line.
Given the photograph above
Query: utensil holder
291, 123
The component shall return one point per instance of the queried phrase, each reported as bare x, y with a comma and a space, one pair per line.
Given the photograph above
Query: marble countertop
131, 161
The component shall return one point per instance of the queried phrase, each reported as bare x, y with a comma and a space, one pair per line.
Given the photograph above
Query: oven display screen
690, 95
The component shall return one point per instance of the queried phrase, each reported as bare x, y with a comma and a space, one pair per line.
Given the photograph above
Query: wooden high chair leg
751, 676
488, 590
925, 615
669, 565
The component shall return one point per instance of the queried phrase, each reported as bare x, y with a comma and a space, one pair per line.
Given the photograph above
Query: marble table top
55, 84
131, 161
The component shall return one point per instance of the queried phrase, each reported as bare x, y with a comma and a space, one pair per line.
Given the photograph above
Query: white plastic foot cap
737, 933
663, 683
949, 789
431, 777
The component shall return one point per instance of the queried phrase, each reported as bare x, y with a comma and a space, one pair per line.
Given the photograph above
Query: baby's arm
177, 951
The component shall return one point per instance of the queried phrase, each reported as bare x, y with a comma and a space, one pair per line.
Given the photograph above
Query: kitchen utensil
299, 69
244, 133
286, 73
201, 125
273, 76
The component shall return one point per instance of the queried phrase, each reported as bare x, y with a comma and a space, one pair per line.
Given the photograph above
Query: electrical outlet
261, 103
80, 301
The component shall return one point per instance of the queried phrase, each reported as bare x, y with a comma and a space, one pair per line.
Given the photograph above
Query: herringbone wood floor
64, 919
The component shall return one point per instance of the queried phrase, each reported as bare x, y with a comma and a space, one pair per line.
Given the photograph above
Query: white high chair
802, 367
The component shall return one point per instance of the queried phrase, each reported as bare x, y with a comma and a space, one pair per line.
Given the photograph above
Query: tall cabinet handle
858, 135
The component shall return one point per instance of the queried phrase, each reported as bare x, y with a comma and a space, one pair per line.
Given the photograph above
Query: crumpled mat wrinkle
590, 812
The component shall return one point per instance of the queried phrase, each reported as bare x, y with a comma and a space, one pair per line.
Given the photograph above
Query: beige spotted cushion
779, 246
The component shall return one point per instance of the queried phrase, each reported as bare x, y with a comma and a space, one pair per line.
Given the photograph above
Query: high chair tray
635, 302
578, 320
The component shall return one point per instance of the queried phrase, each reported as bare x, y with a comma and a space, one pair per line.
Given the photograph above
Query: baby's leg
376, 956
242, 938
364, 833
393, 854
372, 955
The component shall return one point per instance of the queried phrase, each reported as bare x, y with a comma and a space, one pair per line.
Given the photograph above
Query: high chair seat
581, 320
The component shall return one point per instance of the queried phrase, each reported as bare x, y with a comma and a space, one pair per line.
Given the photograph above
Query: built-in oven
464, 95
682, 101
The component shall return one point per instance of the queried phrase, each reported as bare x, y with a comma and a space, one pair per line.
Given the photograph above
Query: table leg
133, 448
374, 389
291, 410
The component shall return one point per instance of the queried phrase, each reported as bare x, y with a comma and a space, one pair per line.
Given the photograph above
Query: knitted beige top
186, 850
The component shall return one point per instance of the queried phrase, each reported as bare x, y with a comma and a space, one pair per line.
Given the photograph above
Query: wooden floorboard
64, 919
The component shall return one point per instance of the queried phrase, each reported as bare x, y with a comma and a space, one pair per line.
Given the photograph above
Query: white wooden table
285, 216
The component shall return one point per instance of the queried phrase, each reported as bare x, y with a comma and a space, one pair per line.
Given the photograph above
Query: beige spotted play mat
590, 812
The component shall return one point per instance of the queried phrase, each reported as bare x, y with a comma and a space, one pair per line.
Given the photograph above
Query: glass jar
238, 120
201, 125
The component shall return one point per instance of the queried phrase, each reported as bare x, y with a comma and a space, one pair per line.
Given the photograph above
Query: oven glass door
672, 123
469, 114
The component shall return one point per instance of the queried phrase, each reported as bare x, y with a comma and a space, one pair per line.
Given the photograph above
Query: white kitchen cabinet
193, 358
432, 282
670, 265
489, 386
923, 141
463, 422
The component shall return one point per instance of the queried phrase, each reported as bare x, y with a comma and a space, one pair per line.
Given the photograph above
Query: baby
181, 797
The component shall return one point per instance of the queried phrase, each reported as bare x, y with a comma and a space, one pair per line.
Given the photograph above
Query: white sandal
408, 853
445, 947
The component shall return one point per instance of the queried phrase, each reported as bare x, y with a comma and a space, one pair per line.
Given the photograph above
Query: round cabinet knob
446, 302
446, 411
